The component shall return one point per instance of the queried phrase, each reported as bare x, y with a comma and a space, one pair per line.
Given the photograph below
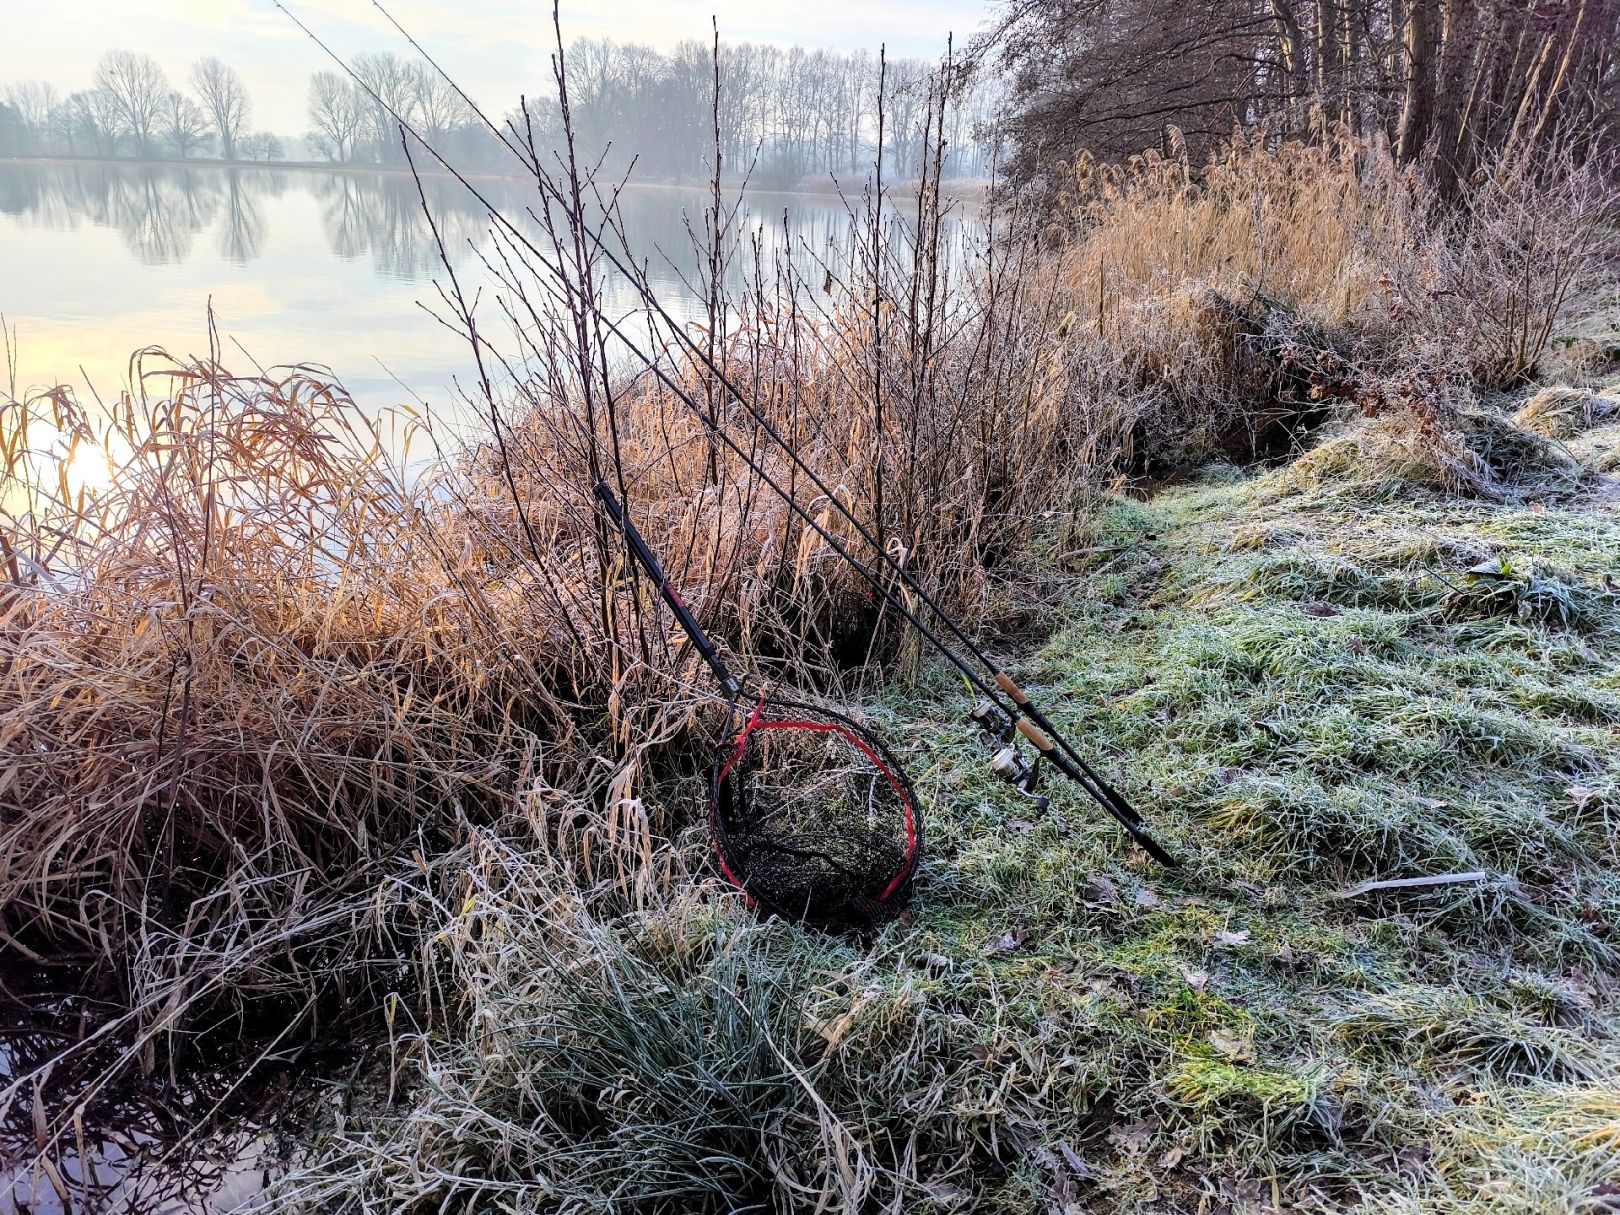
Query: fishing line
1030, 721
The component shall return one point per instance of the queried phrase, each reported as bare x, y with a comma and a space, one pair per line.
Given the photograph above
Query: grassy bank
1304, 682
298, 736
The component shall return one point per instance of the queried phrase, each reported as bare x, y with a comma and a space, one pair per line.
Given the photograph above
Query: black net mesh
813, 817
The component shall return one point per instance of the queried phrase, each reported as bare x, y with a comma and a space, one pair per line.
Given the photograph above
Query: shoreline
972, 189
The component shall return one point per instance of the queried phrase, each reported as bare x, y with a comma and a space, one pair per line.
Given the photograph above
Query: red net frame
853, 874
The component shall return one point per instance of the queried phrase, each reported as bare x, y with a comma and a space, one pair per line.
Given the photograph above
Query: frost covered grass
290, 735
1306, 690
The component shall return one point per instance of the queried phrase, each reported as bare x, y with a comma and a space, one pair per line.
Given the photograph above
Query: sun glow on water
88, 468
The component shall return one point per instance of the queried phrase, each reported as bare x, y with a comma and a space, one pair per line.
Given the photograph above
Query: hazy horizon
61, 43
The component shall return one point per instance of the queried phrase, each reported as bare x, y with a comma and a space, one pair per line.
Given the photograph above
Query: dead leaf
1609, 1193
1021, 825
1413, 1159
1538, 508
1076, 1162
1134, 1136
1232, 939
1237, 1049
936, 961
1102, 889
1171, 1158
1196, 979
1007, 942
1146, 897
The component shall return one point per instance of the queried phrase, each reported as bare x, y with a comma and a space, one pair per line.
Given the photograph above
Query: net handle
683, 614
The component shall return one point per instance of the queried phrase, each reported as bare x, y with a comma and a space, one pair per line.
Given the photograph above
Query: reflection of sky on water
122, 1162
101, 260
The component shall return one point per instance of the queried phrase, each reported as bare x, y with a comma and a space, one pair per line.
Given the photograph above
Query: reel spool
1009, 763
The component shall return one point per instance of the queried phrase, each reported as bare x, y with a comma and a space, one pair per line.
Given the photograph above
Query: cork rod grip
1006, 684
1035, 735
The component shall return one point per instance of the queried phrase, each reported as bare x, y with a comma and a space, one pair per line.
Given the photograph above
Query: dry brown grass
262, 692
1254, 297
238, 680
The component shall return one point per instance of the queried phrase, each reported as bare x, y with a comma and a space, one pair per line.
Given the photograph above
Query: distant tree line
131, 109
1452, 84
784, 114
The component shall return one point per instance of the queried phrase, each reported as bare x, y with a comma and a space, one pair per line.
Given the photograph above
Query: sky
495, 48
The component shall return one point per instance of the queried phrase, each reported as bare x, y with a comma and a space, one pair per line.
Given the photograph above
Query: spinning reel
1008, 762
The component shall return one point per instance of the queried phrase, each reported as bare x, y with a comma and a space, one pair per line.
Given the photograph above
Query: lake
101, 259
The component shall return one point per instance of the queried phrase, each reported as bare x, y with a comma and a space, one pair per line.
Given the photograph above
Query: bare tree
33, 102
225, 100
786, 113
11, 129
91, 117
907, 105
261, 145
1452, 84
139, 91
438, 106
336, 115
185, 127
393, 81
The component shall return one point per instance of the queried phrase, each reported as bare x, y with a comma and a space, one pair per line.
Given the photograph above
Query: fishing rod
1033, 726
1027, 718
1024, 717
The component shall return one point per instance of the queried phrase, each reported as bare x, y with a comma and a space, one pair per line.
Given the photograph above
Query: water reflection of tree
242, 232
381, 216
159, 209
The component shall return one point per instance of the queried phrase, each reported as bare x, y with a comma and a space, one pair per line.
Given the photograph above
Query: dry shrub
1533, 236
1237, 290
1256, 296
242, 682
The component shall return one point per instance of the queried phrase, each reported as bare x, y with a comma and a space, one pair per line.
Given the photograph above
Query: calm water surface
100, 260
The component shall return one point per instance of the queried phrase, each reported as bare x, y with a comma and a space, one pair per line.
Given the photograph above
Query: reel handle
672, 597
